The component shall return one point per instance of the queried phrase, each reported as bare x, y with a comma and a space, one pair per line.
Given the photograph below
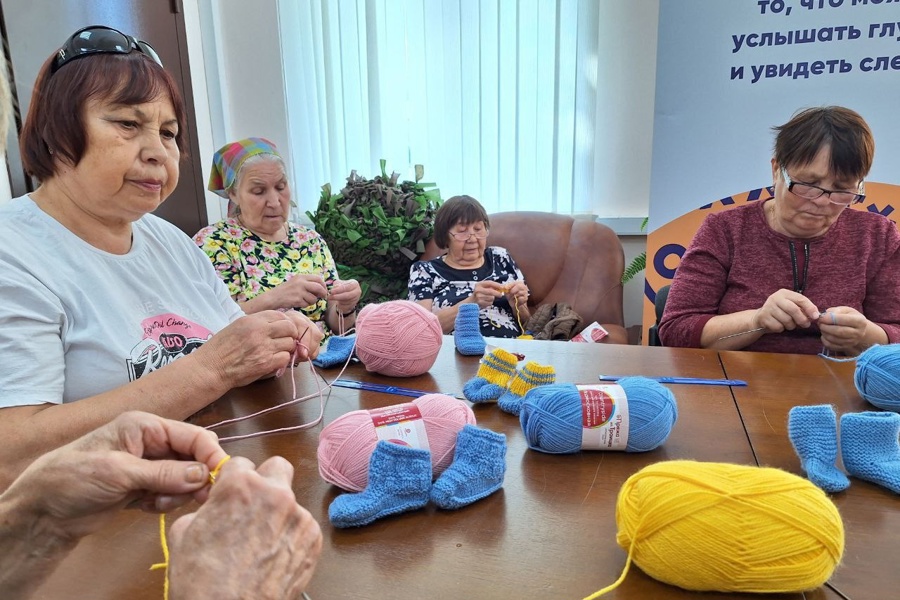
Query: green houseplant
376, 228
638, 263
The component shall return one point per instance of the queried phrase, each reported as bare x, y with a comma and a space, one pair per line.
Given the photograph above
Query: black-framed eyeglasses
99, 39
463, 236
812, 192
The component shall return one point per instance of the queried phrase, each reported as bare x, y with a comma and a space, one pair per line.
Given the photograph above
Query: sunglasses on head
98, 39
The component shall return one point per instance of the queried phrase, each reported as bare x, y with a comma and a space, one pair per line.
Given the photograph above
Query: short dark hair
798, 141
55, 118
458, 209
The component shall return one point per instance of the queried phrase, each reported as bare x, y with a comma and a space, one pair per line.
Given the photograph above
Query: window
496, 98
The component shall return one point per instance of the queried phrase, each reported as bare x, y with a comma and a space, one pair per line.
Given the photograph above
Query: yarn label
401, 424
604, 417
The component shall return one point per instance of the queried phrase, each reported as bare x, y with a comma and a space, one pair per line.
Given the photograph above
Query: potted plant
376, 228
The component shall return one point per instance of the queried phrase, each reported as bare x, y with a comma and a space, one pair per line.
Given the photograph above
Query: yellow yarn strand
618, 581
524, 335
162, 533
165, 551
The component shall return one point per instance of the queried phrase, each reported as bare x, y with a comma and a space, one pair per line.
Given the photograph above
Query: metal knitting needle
725, 337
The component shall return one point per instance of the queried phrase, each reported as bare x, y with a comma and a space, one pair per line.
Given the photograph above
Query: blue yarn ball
551, 416
877, 376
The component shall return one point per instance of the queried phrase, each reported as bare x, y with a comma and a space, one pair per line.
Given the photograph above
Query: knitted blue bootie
870, 447
495, 371
813, 432
337, 351
477, 470
467, 332
399, 480
532, 375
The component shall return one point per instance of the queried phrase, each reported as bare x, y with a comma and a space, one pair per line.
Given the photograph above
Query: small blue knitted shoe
495, 371
399, 481
467, 331
532, 375
870, 447
477, 470
337, 351
813, 433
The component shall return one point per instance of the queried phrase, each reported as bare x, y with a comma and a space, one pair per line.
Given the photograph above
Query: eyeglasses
99, 39
463, 236
811, 192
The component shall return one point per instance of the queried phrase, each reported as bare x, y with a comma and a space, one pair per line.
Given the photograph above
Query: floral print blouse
446, 286
250, 265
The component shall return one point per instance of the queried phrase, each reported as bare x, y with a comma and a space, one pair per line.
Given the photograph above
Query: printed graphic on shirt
167, 337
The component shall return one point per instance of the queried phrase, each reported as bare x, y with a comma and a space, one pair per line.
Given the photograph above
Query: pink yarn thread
346, 443
296, 400
397, 338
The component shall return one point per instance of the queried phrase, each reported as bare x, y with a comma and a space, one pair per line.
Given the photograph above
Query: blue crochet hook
692, 380
385, 389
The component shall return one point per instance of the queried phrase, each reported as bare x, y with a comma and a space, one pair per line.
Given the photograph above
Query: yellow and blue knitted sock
528, 378
494, 374
870, 448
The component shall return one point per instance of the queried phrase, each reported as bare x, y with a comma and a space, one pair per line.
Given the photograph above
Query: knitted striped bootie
870, 447
494, 373
813, 433
529, 377
467, 331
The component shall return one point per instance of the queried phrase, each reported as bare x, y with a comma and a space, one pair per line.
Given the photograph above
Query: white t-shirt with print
76, 321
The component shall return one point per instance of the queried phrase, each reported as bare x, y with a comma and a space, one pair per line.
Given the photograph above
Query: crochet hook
691, 380
385, 389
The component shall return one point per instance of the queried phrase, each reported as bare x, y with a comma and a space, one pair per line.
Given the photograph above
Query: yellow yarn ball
729, 528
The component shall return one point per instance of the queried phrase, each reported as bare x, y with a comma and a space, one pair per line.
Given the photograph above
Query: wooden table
550, 533
871, 513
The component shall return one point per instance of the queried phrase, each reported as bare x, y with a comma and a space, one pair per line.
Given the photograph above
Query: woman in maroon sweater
797, 273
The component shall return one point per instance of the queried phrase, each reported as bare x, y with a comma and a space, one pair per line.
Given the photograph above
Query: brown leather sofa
564, 260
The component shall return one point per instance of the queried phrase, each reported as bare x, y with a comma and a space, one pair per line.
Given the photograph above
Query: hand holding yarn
845, 330
300, 290
84, 484
486, 292
258, 345
345, 295
517, 293
786, 310
255, 563
727, 528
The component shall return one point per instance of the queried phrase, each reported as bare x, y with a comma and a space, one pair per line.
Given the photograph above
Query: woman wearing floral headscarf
266, 261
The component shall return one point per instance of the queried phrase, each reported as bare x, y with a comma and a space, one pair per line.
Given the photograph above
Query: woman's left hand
848, 331
345, 295
517, 293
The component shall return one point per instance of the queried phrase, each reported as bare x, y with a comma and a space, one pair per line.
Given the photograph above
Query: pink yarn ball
397, 338
347, 443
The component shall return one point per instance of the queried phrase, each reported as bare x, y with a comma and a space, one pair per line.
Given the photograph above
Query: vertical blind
496, 98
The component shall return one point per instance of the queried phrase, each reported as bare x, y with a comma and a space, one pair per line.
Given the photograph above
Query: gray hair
255, 160
233, 208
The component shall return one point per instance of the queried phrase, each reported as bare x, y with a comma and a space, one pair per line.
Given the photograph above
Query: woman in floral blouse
470, 272
266, 261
